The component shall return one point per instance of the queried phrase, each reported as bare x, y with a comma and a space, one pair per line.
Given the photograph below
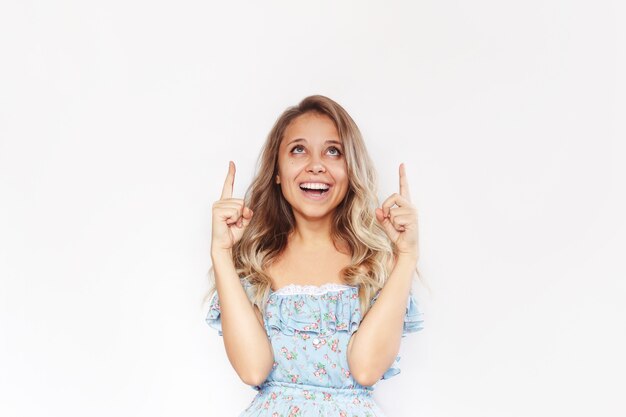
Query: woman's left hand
400, 223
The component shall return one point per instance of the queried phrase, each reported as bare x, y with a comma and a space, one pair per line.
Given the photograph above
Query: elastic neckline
311, 289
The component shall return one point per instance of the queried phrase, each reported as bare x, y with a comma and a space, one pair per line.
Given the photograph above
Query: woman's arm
248, 348
373, 348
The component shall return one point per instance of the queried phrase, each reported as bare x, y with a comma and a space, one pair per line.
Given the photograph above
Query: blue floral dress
309, 328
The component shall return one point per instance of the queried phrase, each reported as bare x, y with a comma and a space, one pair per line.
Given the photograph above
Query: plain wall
117, 122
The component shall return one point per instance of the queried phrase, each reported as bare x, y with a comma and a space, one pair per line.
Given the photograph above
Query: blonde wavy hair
354, 224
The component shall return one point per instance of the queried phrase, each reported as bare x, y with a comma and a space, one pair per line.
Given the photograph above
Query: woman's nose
316, 167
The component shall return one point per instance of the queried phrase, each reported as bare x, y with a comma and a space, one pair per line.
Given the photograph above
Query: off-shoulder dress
309, 328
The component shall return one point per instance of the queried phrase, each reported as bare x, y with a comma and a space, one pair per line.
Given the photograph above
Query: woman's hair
354, 224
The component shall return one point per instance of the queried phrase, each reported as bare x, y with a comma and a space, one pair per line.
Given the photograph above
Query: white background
117, 121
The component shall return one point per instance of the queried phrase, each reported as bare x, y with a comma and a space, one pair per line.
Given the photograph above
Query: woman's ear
277, 179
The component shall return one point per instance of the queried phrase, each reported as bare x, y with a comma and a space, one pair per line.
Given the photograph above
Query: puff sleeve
213, 318
413, 316
413, 322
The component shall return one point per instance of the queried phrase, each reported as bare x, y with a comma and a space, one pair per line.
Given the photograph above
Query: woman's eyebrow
304, 140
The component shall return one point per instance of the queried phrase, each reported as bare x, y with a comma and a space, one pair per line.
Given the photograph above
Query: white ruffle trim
311, 289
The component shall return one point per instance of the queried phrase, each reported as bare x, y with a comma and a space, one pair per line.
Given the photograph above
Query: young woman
312, 280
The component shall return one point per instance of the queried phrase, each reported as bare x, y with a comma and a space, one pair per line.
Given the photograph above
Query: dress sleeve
413, 316
213, 316
413, 322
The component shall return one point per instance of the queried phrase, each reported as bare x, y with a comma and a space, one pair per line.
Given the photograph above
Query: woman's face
312, 170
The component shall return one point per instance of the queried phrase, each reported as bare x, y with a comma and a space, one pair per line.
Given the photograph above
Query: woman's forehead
306, 130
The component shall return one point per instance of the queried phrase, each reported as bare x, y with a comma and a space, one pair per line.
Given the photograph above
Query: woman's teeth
314, 188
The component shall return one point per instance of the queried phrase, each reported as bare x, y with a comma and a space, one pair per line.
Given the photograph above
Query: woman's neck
310, 236
314, 240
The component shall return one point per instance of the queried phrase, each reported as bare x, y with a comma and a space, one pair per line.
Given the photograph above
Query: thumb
247, 216
379, 215
385, 222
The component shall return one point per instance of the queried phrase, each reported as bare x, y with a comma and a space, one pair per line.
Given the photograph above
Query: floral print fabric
309, 328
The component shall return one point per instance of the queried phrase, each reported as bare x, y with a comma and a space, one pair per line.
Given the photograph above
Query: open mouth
315, 190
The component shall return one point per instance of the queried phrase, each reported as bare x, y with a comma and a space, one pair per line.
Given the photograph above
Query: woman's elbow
253, 379
366, 379
257, 376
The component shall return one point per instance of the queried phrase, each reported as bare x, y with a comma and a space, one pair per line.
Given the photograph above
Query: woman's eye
300, 149
333, 148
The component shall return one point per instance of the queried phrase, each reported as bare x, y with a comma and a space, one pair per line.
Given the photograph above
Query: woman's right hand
230, 216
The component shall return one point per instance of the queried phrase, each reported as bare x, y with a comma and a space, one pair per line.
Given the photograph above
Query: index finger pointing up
227, 191
404, 184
